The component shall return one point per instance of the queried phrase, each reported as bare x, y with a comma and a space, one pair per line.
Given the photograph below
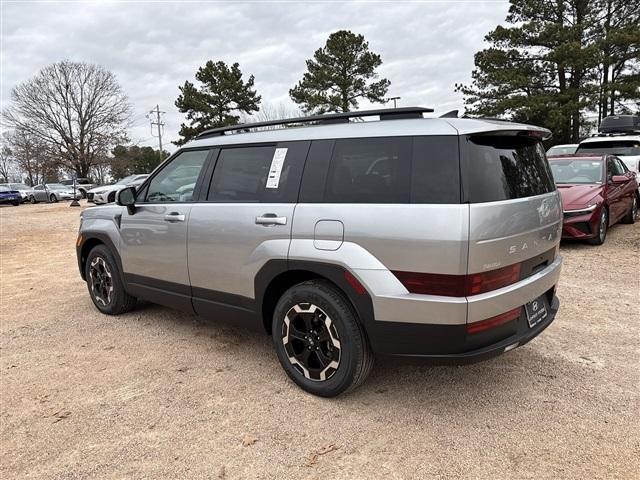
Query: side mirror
620, 179
127, 198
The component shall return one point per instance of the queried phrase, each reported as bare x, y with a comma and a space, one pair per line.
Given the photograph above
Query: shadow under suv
423, 237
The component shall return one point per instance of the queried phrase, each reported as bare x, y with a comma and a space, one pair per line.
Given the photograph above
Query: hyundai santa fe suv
420, 237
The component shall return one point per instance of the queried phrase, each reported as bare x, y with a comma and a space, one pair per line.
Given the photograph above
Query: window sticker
276, 167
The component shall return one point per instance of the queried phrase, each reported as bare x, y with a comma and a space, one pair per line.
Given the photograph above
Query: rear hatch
515, 213
515, 223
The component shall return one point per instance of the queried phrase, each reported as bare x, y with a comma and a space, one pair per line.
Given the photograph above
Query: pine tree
218, 101
339, 74
546, 67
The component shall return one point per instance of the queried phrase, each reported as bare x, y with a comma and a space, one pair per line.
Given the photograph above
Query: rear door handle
271, 219
174, 217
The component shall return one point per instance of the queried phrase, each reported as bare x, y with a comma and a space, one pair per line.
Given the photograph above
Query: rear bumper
451, 345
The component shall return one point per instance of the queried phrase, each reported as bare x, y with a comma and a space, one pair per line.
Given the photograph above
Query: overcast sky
153, 47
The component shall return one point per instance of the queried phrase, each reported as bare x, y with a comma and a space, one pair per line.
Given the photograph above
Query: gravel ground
159, 394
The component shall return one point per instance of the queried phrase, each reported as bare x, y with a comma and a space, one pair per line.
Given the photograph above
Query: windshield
56, 186
561, 150
612, 147
577, 171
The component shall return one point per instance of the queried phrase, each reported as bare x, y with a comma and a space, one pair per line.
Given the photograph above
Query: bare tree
77, 111
271, 111
6, 162
29, 155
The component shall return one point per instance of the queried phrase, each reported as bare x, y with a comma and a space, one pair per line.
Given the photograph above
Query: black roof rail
343, 117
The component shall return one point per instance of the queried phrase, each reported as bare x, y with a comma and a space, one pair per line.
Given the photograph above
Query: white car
620, 136
107, 193
567, 149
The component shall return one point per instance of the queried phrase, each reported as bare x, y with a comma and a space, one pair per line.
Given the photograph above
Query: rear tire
603, 226
83, 194
111, 197
53, 198
632, 214
16, 203
319, 340
104, 281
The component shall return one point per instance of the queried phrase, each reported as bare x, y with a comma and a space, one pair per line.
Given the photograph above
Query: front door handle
271, 219
174, 217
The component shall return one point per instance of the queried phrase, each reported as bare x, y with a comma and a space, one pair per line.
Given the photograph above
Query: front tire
319, 341
83, 194
32, 200
53, 198
105, 284
603, 226
632, 214
16, 203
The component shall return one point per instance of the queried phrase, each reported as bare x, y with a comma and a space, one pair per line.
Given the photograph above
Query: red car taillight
483, 325
458, 285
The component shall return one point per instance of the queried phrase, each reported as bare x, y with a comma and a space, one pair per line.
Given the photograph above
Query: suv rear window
612, 147
504, 167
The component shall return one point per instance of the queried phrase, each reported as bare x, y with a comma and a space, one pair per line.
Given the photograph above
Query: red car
597, 192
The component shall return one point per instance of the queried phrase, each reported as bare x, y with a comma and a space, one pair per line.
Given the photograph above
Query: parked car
21, 188
562, 149
8, 195
620, 136
422, 237
597, 192
83, 185
107, 193
51, 192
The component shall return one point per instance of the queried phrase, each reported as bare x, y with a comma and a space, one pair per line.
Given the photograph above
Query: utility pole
157, 122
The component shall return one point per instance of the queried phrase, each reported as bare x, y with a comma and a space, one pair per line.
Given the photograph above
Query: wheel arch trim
277, 275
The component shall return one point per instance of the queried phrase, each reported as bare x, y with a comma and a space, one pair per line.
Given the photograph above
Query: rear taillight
432, 283
493, 322
492, 280
459, 285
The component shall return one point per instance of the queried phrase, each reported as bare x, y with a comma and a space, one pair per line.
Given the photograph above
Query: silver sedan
50, 192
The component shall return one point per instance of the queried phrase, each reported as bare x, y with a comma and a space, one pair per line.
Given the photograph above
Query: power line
158, 123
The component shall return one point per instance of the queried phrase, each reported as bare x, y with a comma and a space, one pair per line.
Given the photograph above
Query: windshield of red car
571, 170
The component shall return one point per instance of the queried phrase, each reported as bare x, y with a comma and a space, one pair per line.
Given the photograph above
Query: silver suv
420, 237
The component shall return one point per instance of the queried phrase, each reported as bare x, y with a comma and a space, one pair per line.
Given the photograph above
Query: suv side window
369, 170
177, 180
435, 170
265, 174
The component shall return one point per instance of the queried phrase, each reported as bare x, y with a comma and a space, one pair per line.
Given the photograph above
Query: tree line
553, 64
558, 61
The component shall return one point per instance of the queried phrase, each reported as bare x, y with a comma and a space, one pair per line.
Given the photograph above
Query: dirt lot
158, 394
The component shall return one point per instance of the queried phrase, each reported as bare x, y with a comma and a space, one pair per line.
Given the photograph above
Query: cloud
153, 47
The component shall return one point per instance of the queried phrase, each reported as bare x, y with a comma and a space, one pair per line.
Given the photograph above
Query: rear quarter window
385, 170
503, 167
